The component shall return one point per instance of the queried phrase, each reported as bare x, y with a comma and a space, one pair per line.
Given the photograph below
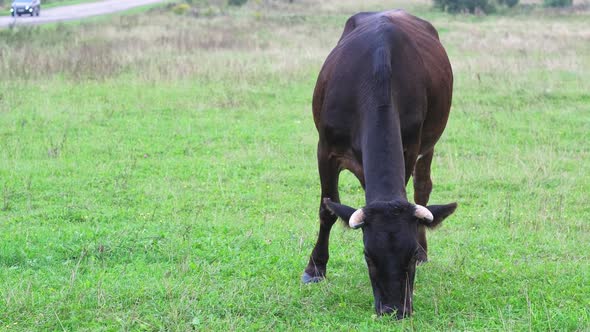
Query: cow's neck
383, 157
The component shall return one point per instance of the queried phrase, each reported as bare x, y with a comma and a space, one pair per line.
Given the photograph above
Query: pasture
158, 172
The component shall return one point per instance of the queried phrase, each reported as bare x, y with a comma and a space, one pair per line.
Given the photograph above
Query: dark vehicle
31, 7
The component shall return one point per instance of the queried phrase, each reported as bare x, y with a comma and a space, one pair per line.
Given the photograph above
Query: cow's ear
341, 210
439, 212
353, 217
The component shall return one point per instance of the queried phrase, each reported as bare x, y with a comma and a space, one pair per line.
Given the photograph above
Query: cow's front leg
316, 268
422, 190
329, 172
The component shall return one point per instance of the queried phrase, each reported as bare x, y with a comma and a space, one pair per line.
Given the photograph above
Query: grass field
158, 172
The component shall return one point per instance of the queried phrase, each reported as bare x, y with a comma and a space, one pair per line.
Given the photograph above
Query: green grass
160, 175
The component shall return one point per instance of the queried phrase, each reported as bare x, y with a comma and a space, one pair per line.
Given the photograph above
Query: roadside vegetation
158, 172
480, 7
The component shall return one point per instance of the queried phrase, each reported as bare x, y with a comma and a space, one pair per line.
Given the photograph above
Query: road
75, 12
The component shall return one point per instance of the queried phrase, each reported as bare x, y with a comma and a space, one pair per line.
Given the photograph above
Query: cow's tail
382, 77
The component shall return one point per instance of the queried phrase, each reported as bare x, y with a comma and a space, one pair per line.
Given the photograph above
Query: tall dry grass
274, 40
517, 45
154, 47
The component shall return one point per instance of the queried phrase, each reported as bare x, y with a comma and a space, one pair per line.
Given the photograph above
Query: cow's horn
423, 213
357, 219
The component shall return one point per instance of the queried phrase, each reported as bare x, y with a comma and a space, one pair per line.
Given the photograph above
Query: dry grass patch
519, 44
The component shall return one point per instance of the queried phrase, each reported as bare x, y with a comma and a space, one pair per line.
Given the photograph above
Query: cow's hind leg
329, 171
422, 189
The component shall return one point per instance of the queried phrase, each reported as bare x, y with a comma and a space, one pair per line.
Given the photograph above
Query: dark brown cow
381, 103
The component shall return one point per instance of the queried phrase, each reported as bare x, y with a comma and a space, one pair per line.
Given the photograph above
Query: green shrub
459, 6
181, 8
236, 2
472, 6
557, 3
509, 3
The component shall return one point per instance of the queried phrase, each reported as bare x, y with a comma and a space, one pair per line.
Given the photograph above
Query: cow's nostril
401, 314
386, 310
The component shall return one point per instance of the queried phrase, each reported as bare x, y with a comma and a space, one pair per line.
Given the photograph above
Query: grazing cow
380, 104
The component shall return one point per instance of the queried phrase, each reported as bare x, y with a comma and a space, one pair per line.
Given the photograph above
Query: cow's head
390, 232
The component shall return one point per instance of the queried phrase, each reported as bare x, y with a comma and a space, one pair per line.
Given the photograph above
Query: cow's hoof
308, 279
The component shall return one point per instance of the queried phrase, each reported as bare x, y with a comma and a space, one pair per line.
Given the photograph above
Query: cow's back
426, 39
439, 74
420, 70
